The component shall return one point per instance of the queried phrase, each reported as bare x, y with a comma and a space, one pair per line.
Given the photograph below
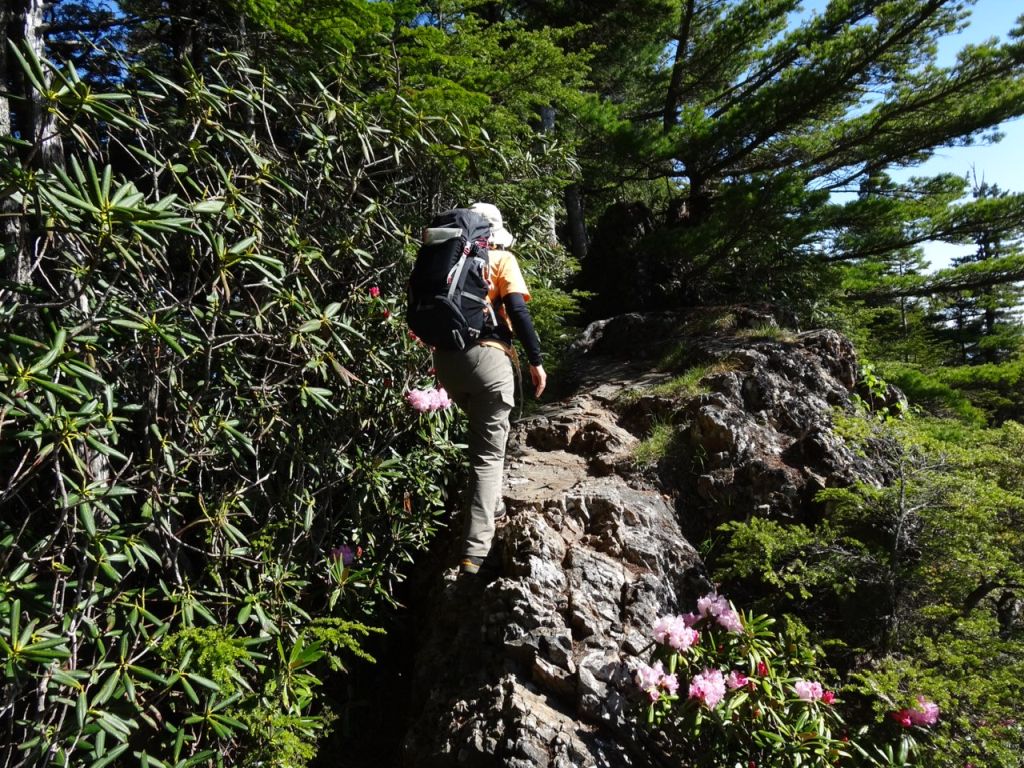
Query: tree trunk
904, 328
670, 115
961, 333
1008, 612
5, 106
32, 122
579, 242
698, 200
547, 126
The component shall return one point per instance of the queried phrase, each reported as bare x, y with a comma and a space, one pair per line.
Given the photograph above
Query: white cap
500, 236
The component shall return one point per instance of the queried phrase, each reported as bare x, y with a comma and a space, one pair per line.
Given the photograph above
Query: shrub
211, 476
724, 689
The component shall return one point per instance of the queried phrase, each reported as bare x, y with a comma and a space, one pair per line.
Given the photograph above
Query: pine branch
969, 277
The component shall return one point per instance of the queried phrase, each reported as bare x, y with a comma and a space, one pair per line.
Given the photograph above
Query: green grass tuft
657, 445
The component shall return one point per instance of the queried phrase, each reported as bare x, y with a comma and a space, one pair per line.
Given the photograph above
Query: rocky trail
532, 667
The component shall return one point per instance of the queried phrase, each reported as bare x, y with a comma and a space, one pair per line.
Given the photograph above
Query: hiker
480, 379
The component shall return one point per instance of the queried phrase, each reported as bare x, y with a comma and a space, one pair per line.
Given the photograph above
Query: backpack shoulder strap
457, 274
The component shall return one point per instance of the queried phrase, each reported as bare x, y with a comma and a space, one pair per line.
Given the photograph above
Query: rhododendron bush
724, 689
211, 479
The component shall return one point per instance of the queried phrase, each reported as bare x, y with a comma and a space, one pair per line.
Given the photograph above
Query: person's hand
540, 379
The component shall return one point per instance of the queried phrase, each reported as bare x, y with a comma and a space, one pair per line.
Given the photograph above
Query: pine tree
741, 133
985, 323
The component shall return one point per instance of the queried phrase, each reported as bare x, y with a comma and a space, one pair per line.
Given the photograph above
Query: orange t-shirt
505, 278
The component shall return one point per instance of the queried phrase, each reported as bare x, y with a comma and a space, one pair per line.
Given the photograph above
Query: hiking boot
471, 565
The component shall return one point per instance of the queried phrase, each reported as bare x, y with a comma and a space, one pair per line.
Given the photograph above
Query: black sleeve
522, 324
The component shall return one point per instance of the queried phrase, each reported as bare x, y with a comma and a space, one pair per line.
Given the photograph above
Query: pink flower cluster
424, 400
923, 713
717, 607
676, 631
811, 690
736, 680
653, 680
708, 687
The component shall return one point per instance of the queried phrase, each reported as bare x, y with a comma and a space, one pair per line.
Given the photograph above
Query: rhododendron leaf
738, 699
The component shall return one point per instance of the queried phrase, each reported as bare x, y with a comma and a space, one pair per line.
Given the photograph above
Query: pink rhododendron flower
730, 621
647, 678
424, 400
762, 669
808, 690
662, 627
652, 679
924, 712
828, 697
902, 717
684, 638
717, 607
670, 683
709, 687
674, 631
711, 605
419, 399
736, 680
374, 291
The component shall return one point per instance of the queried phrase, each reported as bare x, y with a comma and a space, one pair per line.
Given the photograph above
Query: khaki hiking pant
480, 380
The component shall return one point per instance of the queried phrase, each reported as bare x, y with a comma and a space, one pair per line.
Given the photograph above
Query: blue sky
1001, 163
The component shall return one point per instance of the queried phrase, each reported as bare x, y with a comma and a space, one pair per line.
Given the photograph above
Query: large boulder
758, 436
